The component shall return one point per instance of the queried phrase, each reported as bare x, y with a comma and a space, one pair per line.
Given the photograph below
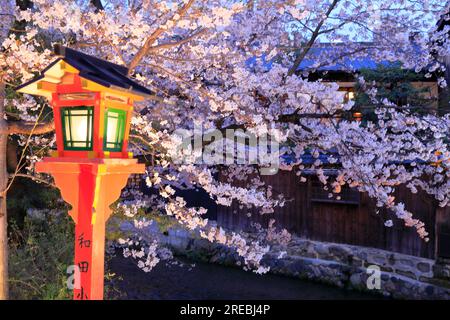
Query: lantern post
92, 102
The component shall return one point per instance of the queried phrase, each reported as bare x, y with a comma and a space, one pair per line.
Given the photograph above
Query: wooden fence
352, 220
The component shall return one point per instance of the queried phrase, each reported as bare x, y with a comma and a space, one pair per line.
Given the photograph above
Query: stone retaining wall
401, 276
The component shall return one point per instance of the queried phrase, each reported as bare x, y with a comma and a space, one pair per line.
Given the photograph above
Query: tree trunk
11, 155
3, 184
444, 93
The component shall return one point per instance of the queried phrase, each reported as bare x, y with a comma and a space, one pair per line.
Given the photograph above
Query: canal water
182, 279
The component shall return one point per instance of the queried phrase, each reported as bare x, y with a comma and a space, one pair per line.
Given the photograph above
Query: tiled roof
344, 61
97, 70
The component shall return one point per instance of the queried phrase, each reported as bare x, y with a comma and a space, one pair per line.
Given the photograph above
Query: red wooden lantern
92, 102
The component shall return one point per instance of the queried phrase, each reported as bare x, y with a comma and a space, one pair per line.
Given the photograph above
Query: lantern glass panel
77, 127
114, 129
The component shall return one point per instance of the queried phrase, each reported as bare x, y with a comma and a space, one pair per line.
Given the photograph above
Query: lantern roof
98, 75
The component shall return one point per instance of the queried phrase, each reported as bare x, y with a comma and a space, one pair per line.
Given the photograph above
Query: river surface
182, 279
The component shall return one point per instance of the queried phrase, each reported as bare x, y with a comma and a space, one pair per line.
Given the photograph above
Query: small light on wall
351, 95
357, 116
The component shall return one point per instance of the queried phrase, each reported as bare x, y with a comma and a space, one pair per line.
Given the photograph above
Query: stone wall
401, 276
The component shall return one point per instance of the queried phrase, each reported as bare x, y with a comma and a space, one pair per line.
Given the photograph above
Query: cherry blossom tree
238, 65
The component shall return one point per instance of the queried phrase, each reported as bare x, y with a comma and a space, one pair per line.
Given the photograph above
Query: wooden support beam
46, 86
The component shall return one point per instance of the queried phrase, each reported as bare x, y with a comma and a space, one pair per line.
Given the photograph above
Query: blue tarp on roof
343, 62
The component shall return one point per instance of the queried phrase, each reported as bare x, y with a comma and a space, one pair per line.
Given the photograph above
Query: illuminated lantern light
78, 129
115, 128
92, 102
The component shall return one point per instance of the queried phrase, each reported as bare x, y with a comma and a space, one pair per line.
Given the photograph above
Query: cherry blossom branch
19, 127
34, 178
31, 132
154, 36
169, 45
298, 60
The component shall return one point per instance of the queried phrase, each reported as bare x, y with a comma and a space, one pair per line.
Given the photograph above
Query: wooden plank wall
341, 223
